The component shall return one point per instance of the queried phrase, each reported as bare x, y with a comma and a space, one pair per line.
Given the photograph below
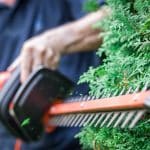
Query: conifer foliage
126, 43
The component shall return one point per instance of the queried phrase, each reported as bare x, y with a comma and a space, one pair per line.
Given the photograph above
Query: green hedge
127, 47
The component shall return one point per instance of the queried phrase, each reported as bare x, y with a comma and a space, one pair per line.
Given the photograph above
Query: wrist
52, 40
71, 36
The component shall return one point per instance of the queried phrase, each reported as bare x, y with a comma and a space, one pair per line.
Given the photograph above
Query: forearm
79, 35
47, 48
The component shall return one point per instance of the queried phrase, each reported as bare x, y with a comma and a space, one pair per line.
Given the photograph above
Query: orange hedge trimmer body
40, 103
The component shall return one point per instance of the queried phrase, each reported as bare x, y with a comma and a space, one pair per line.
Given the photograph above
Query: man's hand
39, 51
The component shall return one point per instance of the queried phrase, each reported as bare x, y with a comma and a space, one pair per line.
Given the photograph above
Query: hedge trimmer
41, 103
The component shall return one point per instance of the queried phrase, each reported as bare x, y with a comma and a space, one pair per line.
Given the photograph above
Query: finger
54, 63
14, 65
38, 58
26, 63
49, 56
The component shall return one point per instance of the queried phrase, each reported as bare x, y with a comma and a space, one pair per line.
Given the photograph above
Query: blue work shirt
28, 18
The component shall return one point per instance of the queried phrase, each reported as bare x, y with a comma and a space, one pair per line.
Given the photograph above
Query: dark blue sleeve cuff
101, 2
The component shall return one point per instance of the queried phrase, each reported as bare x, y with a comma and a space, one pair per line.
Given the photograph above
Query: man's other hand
40, 50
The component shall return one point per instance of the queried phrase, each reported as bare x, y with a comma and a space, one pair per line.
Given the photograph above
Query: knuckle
26, 44
27, 47
41, 50
50, 54
57, 58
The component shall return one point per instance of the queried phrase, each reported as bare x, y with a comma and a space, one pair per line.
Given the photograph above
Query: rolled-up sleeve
76, 7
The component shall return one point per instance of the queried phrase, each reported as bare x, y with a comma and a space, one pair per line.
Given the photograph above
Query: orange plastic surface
124, 102
46, 118
18, 144
4, 76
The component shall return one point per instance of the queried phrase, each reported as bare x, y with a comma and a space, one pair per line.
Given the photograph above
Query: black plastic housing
31, 100
6, 97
